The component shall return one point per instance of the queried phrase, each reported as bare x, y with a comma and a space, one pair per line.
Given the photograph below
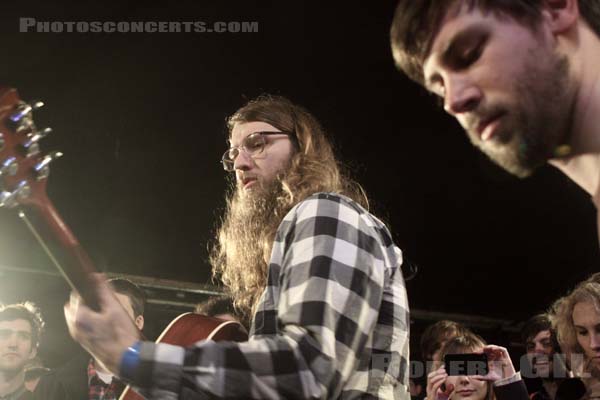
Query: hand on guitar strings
105, 334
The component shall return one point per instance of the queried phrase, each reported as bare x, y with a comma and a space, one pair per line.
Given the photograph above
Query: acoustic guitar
24, 172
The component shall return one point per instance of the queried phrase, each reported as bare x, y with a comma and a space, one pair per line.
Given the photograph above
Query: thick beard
246, 238
538, 122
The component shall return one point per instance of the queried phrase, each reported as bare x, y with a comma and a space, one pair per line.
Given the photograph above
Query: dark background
140, 118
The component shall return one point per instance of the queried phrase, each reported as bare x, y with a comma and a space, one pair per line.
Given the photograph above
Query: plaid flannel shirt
100, 390
332, 323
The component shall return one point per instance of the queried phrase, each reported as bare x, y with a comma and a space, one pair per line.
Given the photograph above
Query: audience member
542, 352
502, 380
21, 326
221, 307
576, 320
436, 335
84, 377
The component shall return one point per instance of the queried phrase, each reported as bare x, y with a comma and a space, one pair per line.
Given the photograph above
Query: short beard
540, 121
245, 240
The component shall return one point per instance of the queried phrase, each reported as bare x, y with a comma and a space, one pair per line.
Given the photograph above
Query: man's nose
243, 162
12, 341
462, 95
539, 348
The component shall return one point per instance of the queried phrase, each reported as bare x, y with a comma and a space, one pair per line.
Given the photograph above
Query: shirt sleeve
515, 390
331, 283
505, 381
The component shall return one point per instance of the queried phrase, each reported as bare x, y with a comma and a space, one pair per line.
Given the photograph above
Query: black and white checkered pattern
332, 323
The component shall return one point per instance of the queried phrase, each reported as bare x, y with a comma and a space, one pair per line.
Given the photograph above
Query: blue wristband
129, 362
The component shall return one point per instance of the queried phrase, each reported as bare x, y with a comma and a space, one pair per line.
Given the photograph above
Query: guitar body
24, 173
189, 328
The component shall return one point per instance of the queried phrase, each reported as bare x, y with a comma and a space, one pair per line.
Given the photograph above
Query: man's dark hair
27, 311
416, 22
136, 295
215, 306
436, 334
535, 325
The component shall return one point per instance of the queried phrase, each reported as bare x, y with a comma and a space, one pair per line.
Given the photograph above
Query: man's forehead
540, 335
18, 324
451, 24
453, 11
241, 130
125, 301
543, 334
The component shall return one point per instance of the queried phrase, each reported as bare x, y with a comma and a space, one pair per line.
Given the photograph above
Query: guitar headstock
23, 175
23, 168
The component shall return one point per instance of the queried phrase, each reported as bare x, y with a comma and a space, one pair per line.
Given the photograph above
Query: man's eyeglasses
253, 145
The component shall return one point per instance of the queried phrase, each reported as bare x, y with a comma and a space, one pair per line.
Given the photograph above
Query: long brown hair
313, 168
561, 315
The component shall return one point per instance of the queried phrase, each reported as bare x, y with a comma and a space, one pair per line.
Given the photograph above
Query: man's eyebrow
230, 141
459, 38
243, 138
450, 48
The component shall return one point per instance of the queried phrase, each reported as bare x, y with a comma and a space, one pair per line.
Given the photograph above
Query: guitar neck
63, 249
23, 177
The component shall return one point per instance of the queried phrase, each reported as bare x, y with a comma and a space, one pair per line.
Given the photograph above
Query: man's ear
139, 322
560, 15
33, 352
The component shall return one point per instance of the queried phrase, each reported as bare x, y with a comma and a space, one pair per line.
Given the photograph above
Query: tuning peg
11, 199
25, 110
9, 167
42, 168
5, 198
37, 136
31, 146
